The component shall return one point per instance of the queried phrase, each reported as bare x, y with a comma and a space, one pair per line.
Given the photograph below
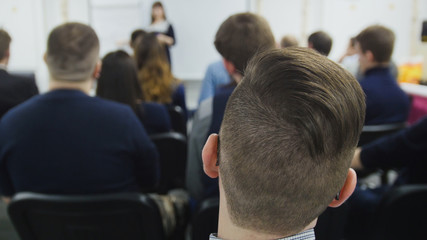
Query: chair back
178, 119
86, 217
373, 132
402, 213
205, 221
172, 148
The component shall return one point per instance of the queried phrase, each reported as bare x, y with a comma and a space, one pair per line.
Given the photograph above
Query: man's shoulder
17, 81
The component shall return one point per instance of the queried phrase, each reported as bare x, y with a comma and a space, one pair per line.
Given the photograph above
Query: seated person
66, 142
385, 100
288, 41
155, 75
216, 76
118, 82
13, 89
285, 146
406, 151
321, 42
238, 38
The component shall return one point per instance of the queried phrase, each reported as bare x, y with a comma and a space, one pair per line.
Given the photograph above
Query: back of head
287, 139
154, 74
5, 40
241, 36
135, 35
379, 40
288, 41
118, 79
72, 52
321, 42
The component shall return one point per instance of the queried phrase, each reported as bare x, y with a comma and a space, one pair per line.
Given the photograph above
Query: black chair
86, 217
205, 221
373, 132
172, 149
178, 119
402, 214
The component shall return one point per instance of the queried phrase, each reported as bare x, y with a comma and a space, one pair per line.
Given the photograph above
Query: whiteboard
195, 23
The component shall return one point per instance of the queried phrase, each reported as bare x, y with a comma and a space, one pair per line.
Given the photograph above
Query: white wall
196, 21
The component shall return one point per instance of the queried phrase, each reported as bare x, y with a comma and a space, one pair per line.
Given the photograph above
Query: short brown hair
5, 40
242, 35
379, 40
321, 42
287, 139
288, 41
72, 52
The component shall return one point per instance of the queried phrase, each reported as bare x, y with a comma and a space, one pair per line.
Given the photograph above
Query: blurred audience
13, 89
155, 76
118, 81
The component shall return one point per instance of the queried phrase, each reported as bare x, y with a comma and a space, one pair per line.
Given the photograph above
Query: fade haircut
72, 52
242, 35
5, 40
379, 40
287, 139
321, 42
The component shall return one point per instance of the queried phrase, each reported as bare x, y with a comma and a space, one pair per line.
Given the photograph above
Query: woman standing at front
161, 27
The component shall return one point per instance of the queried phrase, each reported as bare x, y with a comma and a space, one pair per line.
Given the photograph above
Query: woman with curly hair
155, 76
118, 81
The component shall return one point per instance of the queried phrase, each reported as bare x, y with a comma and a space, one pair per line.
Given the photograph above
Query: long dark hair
118, 80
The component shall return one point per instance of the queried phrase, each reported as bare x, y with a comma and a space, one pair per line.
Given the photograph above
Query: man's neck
377, 65
228, 230
84, 86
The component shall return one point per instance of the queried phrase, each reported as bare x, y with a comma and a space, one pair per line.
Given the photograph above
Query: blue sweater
385, 101
65, 142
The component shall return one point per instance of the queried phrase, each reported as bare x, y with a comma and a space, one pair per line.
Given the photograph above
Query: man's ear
45, 57
210, 156
346, 190
369, 55
310, 45
229, 66
7, 53
97, 70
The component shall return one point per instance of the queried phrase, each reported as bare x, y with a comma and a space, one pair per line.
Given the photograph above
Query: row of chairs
136, 216
172, 147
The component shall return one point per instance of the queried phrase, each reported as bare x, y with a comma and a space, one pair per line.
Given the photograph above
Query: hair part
379, 40
321, 42
5, 40
72, 52
242, 35
300, 114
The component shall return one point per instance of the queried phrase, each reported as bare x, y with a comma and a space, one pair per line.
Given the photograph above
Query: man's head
321, 42
139, 33
72, 52
374, 46
239, 37
288, 41
5, 40
287, 139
